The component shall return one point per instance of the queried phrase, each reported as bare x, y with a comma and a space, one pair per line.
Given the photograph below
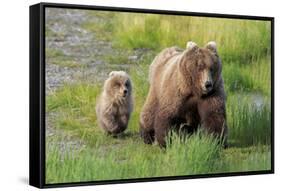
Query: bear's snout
208, 86
125, 92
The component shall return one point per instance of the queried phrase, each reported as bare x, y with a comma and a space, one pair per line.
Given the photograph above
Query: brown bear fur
186, 90
115, 104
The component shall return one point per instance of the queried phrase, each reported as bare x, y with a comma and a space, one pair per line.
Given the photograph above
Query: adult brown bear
186, 90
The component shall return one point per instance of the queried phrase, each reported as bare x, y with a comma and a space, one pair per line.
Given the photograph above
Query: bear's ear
112, 73
191, 45
212, 46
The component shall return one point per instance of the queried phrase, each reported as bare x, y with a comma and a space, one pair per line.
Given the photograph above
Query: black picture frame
37, 94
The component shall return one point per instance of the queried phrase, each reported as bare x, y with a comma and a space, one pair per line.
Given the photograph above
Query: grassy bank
130, 158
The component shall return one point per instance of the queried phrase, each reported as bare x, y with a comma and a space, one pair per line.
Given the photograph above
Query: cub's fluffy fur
115, 103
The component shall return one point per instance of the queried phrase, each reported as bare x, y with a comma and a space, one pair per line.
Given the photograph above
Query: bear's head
118, 85
201, 67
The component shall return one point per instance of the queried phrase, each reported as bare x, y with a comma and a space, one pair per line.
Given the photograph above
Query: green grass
241, 40
198, 154
253, 158
102, 30
244, 47
249, 123
117, 59
251, 77
57, 57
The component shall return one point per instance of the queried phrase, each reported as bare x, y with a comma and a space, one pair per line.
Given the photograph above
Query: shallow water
256, 100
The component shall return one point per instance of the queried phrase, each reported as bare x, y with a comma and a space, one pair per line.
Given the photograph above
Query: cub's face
120, 84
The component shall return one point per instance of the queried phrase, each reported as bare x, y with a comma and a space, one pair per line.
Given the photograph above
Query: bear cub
115, 104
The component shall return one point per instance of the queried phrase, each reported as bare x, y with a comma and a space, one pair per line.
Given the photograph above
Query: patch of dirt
66, 34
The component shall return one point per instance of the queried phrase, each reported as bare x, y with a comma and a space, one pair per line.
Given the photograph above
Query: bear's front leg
146, 127
213, 116
147, 118
123, 122
110, 123
162, 126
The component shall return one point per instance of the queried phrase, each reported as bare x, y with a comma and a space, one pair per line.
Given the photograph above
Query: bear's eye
117, 85
127, 83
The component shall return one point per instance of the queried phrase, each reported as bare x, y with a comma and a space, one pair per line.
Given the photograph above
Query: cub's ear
212, 46
191, 45
112, 73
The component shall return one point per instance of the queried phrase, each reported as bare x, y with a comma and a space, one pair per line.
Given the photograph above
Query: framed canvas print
127, 95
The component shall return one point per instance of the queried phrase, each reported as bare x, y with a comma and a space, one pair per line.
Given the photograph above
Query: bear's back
162, 62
